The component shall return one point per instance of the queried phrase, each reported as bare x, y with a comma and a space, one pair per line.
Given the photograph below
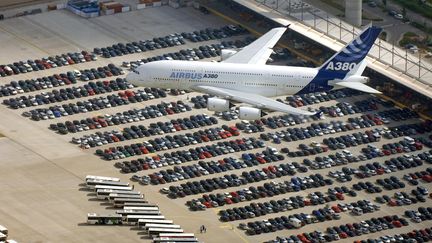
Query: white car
398, 16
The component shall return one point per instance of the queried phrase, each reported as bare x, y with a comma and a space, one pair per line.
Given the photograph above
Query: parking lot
200, 168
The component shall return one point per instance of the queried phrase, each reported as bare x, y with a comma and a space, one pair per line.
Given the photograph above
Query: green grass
423, 9
406, 39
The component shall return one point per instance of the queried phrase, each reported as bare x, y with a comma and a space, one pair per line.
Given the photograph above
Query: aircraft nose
133, 78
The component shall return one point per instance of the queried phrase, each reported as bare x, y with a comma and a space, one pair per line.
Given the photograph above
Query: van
296, 223
357, 211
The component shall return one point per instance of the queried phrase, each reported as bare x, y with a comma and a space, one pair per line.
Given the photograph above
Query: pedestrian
133, 186
205, 229
202, 229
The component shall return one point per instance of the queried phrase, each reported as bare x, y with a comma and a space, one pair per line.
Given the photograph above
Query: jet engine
250, 113
216, 104
357, 78
225, 53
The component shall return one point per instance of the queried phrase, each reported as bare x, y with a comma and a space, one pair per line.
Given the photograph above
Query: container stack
112, 7
84, 8
149, 3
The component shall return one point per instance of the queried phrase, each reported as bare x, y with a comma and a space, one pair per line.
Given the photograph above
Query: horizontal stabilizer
358, 86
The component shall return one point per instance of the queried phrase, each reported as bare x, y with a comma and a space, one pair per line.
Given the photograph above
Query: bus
92, 183
143, 222
103, 178
157, 231
113, 196
120, 202
124, 213
176, 235
144, 208
165, 226
104, 219
3, 230
122, 188
138, 204
169, 240
133, 219
104, 193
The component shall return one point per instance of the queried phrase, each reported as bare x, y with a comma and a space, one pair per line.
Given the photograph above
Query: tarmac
42, 172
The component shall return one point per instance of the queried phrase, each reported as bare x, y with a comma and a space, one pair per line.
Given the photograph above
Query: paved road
395, 28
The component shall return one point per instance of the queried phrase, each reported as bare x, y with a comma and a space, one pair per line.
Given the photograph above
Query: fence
389, 54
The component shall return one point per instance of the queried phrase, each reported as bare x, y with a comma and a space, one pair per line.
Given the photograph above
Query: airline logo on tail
353, 53
345, 62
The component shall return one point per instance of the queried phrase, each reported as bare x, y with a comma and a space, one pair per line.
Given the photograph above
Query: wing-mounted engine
216, 104
250, 113
226, 53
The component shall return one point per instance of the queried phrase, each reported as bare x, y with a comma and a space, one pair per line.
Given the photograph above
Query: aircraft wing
257, 101
260, 50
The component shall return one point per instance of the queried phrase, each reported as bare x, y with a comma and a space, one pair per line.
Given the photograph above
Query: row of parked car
64, 94
294, 221
402, 198
345, 231
140, 131
212, 167
191, 54
293, 202
57, 80
319, 97
46, 63
128, 116
314, 130
162, 143
417, 235
222, 182
118, 50
175, 39
419, 215
170, 142
96, 104
195, 153
70, 77
266, 190
179, 157
331, 160
415, 177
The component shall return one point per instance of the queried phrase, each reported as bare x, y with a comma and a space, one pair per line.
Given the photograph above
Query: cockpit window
135, 71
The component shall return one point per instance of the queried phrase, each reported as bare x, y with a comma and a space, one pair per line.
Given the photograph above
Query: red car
397, 224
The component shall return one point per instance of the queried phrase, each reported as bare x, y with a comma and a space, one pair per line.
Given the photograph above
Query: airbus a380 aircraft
244, 77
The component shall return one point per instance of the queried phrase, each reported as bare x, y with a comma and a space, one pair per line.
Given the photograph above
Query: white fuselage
265, 80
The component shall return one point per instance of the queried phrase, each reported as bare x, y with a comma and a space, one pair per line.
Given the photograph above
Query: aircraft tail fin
351, 56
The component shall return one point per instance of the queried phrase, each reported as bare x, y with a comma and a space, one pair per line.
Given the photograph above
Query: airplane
243, 76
